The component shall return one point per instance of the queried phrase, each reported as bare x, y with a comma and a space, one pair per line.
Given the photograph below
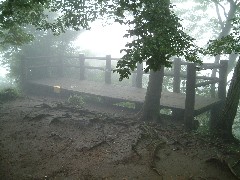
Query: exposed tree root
152, 144
37, 117
43, 105
221, 162
157, 146
97, 145
155, 170
134, 146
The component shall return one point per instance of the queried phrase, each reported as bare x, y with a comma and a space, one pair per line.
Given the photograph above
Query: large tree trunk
224, 128
151, 107
232, 61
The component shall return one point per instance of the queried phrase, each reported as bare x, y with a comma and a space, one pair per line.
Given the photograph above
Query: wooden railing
176, 72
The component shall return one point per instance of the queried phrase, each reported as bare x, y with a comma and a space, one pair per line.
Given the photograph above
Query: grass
126, 105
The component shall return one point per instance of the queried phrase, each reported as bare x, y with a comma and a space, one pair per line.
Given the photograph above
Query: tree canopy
158, 36
227, 44
15, 15
157, 29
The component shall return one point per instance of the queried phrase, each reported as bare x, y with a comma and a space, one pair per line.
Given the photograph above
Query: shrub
8, 94
76, 100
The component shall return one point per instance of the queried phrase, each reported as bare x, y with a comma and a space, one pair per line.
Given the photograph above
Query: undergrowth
8, 94
76, 100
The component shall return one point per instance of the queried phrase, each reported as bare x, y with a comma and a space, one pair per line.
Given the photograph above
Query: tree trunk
231, 105
151, 106
232, 61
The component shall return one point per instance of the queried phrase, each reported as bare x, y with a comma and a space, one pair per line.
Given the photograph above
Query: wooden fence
176, 72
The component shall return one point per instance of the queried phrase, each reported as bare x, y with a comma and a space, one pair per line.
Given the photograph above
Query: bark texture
151, 107
231, 104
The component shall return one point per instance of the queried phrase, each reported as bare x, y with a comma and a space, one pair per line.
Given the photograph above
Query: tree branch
237, 2
218, 14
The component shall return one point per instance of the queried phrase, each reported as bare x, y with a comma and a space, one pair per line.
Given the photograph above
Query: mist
74, 106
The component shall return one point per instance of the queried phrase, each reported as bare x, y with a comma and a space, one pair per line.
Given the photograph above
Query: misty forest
120, 89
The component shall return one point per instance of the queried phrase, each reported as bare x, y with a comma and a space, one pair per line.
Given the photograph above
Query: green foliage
158, 36
44, 44
227, 44
15, 15
6, 82
76, 100
126, 105
203, 123
8, 94
166, 111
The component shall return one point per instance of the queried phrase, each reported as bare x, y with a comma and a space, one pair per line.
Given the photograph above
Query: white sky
3, 71
103, 40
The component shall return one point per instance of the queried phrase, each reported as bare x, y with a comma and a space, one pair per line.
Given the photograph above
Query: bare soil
43, 138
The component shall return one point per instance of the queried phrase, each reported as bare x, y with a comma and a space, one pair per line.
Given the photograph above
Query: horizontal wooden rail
206, 83
97, 68
177, 63
207, 78
206, 66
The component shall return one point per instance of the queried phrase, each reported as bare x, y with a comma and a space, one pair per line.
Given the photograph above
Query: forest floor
44, 138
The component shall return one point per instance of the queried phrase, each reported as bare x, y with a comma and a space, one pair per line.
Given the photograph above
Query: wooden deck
123, 93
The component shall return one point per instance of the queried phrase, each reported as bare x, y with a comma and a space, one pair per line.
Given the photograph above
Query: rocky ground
43, 138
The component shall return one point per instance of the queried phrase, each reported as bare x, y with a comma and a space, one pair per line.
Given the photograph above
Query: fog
64, 114
3, 71
106, 38
103, 39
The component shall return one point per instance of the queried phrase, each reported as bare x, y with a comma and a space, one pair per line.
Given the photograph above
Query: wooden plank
125, 93
82, 66
176, 113
205, 83
210, 66
190, 96
108, 70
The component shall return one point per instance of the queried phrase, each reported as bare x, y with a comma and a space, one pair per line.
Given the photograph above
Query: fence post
139, 75
82, 66
133, 77
190, 96
222, 79
177, 114
214, 117
108, 70
176, 77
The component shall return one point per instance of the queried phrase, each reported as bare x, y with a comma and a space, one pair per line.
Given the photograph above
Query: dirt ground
43, 138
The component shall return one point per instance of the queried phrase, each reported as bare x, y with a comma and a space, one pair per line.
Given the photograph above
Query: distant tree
14, 15
227, 45
44, 43
218, 25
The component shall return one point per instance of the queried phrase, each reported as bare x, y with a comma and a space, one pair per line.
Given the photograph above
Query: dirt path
46, 139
